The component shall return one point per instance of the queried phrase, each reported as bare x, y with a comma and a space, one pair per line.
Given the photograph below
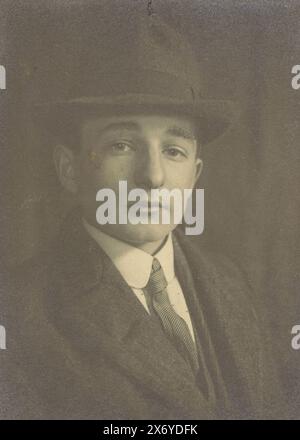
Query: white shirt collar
133, 263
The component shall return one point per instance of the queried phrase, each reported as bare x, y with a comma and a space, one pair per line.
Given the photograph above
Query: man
133, 321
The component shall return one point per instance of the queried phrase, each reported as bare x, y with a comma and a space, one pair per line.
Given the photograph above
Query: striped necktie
174, 326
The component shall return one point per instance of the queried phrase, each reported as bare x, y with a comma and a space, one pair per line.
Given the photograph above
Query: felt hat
135, 65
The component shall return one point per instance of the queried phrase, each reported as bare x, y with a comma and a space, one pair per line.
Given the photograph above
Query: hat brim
214, 116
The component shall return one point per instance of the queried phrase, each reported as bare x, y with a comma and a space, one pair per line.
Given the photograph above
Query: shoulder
34, 270
214, 267
29, 284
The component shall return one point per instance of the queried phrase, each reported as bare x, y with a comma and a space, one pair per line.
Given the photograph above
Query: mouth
148, 205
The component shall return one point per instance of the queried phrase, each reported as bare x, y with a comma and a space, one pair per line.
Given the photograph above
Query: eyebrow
131, 125
181, 132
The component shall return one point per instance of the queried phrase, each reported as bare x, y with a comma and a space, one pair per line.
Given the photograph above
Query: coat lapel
231, 322
100, 313
210, 369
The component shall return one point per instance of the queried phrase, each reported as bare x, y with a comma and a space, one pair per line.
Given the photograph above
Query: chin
139, 234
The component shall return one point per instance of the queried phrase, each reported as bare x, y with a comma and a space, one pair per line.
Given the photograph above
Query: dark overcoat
81, 345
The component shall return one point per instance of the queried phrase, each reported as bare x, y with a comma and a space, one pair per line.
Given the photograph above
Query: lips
148, 205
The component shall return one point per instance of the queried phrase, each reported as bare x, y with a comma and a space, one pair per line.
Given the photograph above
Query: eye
121, 147
175, 153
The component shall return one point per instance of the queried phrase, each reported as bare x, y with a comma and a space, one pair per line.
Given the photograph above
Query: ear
64, 161
199, 168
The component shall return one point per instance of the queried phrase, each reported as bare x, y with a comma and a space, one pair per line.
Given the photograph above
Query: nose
150, 171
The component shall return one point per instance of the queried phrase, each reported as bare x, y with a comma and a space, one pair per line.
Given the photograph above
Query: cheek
181, 175
113, 170
107, 174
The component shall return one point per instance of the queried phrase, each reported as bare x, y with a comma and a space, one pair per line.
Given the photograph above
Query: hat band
141, 82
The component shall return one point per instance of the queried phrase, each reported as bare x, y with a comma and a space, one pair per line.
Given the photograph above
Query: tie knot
157, 281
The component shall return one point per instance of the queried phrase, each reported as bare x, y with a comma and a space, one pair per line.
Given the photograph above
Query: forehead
145, 124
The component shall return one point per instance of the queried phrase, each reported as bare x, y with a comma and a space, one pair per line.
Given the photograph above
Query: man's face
146, 151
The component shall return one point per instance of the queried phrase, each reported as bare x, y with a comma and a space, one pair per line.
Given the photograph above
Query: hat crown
96, 62
110, 54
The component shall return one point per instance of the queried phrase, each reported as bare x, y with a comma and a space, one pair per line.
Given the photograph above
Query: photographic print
149, 210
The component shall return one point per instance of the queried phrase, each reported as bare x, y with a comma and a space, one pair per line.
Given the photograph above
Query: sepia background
251, 174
